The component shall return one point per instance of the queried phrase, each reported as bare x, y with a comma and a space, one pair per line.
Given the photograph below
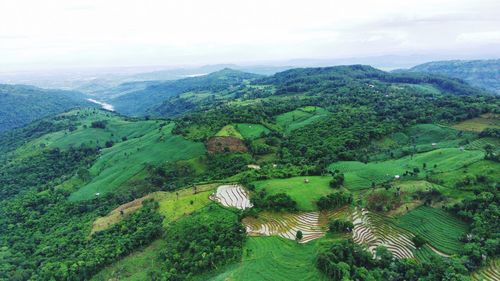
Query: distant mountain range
480, 73
20, 104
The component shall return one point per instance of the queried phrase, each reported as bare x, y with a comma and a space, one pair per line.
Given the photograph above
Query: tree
299, 235
418, 241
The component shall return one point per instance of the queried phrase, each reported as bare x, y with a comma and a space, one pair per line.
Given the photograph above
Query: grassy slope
251, 131
306, 194
359, 175
172, 208
437, 227
229, 131
116, 129
274, 258
123, 161
300, 117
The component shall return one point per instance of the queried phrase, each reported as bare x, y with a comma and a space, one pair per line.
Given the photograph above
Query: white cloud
54, 33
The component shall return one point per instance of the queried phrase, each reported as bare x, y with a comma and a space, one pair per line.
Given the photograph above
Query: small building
306, 180
97, 194
397, 177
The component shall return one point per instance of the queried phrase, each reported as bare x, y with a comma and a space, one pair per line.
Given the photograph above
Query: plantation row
372, 230
437, 227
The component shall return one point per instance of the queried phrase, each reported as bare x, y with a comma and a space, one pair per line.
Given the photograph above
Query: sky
38, 34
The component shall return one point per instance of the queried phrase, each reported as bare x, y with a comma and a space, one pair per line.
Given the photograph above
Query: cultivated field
232, 196
480, 123
251, 131
439, 228
359, 175
273, 258
488, 273
229, 131
312, 224
375, 230
300, 117
124, 160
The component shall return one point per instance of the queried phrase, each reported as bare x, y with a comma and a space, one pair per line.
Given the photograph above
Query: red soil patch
225, 144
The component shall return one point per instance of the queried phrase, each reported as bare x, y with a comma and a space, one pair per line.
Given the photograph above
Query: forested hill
480, 73
20, 104
139, 102
321, 83
337, 165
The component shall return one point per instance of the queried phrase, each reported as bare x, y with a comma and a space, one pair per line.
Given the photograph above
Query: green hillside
20, 105
480, 73
336, 173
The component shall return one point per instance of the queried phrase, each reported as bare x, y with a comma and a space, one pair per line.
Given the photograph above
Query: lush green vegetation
349, 261
20, 105
273, 258
201, 242
481, 73
306, 191
345, 148
123, 161
251, 131
438, 228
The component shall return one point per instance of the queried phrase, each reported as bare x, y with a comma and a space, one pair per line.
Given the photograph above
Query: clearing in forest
251, 131
304, 190
229, 131
478, 124
301, 117
232, 196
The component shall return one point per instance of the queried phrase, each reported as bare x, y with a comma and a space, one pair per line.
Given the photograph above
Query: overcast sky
36, 34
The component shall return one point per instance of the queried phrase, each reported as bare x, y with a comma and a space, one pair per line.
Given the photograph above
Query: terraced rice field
439, 228
312, 224
375, 230
488, 273
273, 259
232, 196
479, 144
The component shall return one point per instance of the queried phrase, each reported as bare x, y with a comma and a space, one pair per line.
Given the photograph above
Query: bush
339, 225
418, 241
334, 200
98, 124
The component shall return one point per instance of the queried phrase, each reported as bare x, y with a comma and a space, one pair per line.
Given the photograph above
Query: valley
307, 174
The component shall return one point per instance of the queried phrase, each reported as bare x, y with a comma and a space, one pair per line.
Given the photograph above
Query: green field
305, 194
123, 161
274, 258
133, 267
418, 138
300, 117
490, 170
229, 131
251, 131
439, 228
359, 175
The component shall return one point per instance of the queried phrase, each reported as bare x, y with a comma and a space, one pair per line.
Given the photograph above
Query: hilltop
481, 73
20, 104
